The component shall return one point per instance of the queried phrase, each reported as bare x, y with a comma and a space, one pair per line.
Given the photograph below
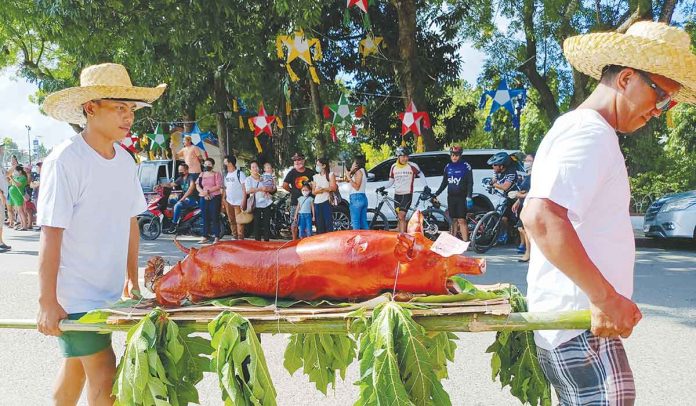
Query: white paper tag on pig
448, 245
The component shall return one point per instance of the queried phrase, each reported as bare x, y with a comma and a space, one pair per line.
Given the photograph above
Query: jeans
304, 221
358, 211
179, 207
322, 212
210, 213
262, 223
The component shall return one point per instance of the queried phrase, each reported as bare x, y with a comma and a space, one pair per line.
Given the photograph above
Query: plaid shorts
589, 370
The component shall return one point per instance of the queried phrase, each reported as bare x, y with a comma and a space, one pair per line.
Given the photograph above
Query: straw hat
105, 81
651, 47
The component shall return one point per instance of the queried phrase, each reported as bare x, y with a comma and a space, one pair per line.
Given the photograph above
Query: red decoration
129, 142
411, 120
262, 122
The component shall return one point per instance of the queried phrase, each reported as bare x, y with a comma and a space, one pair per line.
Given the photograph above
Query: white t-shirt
4, 185
261, 200
579, 166
93, 200
233, 187
321, 182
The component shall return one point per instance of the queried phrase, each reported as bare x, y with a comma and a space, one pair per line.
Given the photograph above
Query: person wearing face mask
324, 182
262, 202
293, 182
524, 187
305, 213
209, 186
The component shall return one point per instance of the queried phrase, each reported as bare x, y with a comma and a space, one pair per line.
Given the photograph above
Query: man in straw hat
577, 209
89, 197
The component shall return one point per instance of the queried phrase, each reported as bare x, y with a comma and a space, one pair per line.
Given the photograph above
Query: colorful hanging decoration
298, 46
287, 93
342, 112
129, 142
158, 139
197, 137
261, 123
362, 5
370, 46
512, 100
411, 121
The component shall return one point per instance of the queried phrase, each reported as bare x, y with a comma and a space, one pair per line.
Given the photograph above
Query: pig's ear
404, 251
415, 224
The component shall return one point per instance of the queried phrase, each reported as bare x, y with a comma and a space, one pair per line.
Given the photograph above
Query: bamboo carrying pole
571, 320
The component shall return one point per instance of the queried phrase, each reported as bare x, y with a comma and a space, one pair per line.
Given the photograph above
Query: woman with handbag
358, 198
260, 198
323, 186
209, 185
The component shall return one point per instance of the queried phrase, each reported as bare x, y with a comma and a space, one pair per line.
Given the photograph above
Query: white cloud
16, 111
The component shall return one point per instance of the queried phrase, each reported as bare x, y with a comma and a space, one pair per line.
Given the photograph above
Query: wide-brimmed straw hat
648, 46
105, 81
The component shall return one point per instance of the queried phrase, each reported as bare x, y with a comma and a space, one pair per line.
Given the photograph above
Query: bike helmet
455, 150
401, 151
500, 158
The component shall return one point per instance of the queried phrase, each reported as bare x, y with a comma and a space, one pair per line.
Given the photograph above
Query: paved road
661, 350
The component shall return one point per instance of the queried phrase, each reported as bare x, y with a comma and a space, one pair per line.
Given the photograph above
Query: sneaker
502, 239
204, 240
521, 249
5, 246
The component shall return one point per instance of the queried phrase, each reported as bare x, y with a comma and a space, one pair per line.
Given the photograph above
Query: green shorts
82, 343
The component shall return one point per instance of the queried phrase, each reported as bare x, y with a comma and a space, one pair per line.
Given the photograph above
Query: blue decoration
512, 100
197, 137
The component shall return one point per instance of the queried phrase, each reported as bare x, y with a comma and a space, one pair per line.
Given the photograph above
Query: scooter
157, 219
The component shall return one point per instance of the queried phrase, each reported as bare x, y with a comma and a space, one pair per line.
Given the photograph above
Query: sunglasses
664, 100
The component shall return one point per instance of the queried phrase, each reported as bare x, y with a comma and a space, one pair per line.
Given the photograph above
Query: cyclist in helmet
459, 181
402, 176
505, 180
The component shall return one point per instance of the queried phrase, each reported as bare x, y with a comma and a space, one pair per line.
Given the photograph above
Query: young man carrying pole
576, 212
89, 197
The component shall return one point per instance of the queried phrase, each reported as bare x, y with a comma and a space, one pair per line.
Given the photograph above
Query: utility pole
28, 143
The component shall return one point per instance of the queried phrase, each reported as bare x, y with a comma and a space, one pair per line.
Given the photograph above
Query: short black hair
231, 159
212, 161
609, 72
184, 165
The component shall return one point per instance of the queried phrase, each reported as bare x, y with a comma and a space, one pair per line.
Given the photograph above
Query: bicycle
432, 217
486, 232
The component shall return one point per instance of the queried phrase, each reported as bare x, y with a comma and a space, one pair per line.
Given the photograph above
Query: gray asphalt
661, 351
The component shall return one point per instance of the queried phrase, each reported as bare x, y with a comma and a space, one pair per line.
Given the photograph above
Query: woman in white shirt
262, 201
324, 183
358, 198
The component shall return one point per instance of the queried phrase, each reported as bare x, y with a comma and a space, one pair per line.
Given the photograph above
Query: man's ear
88, 108
403, 250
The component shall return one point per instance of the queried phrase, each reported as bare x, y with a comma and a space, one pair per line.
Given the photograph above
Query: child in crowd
267, 177
304, 215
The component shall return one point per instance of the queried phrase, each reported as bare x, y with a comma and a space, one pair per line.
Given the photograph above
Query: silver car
672, 216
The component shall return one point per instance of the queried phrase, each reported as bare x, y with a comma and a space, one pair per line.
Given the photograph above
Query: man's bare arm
50, 311
548, 225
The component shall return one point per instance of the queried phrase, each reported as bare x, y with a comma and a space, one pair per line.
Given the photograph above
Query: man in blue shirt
459, 181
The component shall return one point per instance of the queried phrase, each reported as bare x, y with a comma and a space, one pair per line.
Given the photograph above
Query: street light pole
28, 143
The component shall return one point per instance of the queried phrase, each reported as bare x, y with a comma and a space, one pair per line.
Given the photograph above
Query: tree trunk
667, 11
221, 99
318, 120
407, 69
547, 99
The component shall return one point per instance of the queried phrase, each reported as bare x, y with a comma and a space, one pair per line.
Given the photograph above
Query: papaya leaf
320, 356
514, 360
239, 362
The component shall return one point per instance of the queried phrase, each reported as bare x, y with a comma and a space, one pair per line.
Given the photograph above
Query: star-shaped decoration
197, 137
512, 100
412, 119
361, 4
342, 112
298, 46
369, 46
159, 138
129, 142
262, 122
